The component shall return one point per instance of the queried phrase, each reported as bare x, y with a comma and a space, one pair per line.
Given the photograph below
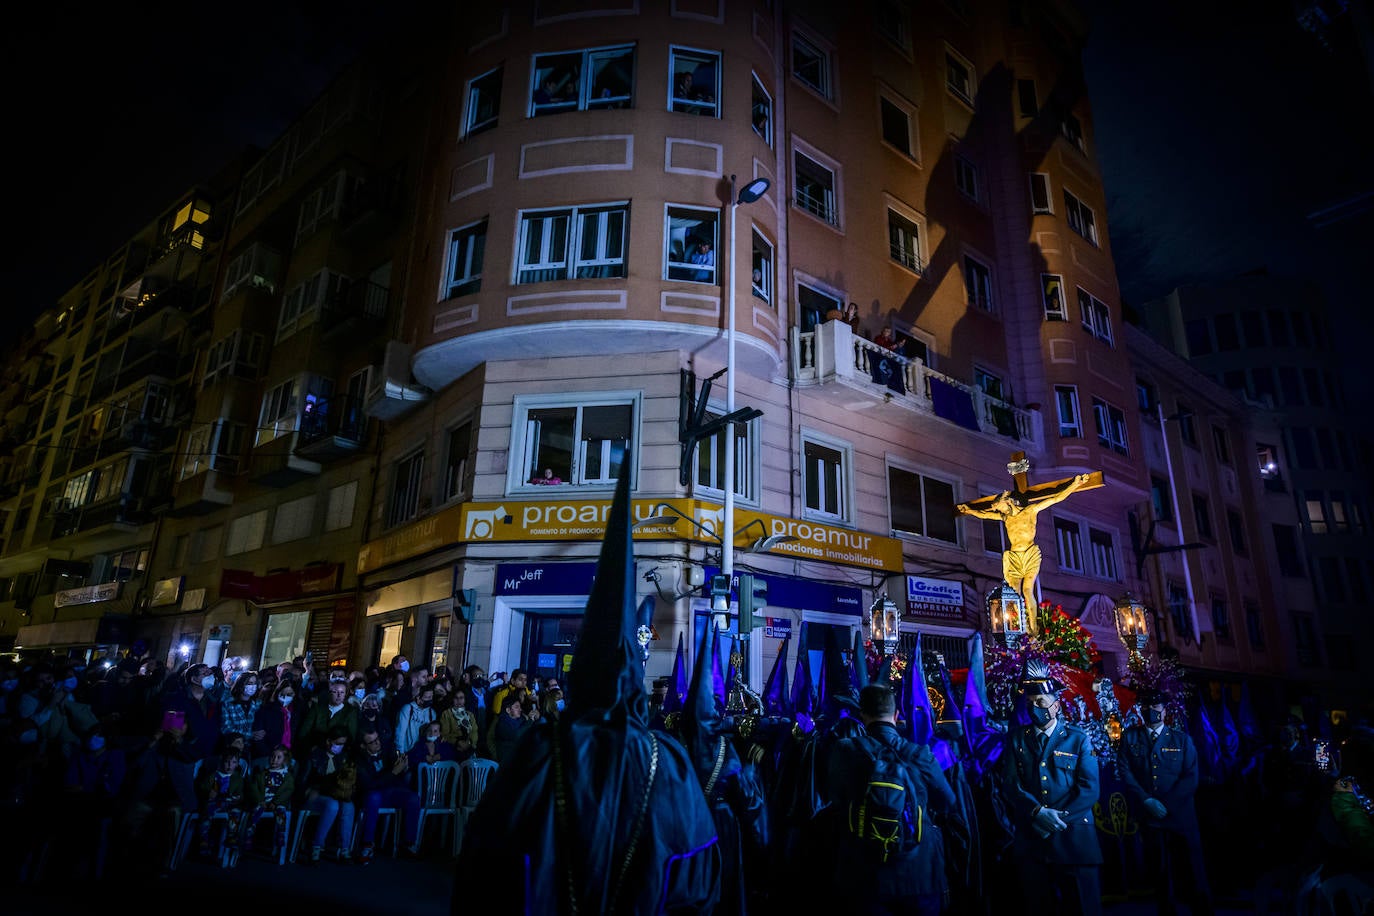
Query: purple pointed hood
920, 718
677, 688
776, 701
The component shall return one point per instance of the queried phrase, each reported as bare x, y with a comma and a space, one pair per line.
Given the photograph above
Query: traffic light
753, 599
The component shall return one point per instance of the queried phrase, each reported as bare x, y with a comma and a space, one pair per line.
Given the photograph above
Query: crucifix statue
1018, 510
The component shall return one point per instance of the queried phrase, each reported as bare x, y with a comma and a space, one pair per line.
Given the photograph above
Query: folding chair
473, 776
438, 784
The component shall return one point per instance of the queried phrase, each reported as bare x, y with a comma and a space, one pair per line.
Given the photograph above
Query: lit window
466, 249
904, 241
959, 77
695, 86
1052, 292
761, 280
921, 505
404, 500
570, 81
815, 188
581, 242
1080, 217
484, 102
1069, 542
978, 283
825, 478
691, 237
710, 461
562, 442
761, 112
1066, 401
811, 65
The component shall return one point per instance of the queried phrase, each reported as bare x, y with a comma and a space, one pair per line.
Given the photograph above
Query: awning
93, 631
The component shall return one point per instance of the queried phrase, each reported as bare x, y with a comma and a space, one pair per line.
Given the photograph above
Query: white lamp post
747, 195
1178, 517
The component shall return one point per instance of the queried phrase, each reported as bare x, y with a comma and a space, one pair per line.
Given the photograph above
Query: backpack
886, 818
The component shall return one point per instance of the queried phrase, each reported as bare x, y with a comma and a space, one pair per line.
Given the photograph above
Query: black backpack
886, 819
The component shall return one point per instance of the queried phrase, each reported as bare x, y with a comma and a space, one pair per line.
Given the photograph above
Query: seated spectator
220, 791
372, 715
385, 781
331, 780
430, 748
413, 717
270, 790
548, 478
457, 717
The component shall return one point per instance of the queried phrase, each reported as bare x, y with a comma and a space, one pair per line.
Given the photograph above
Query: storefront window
285, 638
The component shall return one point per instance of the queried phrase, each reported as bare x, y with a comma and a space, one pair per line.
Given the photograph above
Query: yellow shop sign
585, 520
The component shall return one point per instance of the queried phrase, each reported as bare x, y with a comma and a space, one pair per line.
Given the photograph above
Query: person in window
556, 88
886, 339
705, 256
548, 478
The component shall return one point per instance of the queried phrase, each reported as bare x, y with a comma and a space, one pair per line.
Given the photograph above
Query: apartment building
1216, 539
1269, 338
95, 399
930, 163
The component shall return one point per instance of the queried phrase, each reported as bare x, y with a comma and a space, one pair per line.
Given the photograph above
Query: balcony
138, 432
208, 486
274, 462
859, 374
335, 428
371, 208
393, 391
359, 308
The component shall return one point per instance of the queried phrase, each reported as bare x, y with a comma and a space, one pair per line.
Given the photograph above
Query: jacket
210, 778
317, 722
270, 789
917, 871
1064, 777
1165, 770
332, 775
408, 723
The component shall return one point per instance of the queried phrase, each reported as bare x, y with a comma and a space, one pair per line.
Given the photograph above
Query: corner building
930, 163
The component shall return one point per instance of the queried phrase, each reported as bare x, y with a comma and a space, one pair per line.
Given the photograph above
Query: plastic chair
474, 773
388, 823
181, 842
438, 784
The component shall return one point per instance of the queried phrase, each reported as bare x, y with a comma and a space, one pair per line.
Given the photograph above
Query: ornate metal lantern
1132, 625
1007, 614
886, 624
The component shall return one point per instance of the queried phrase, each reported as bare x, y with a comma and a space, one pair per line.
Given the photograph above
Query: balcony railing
361, 301
340, 418
834, 354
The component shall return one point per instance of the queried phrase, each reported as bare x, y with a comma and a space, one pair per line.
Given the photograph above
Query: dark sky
1218, 126
111, 114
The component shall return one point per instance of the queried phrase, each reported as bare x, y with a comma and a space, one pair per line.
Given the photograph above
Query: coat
1166, 771
1064, 777
916, 872
262, 779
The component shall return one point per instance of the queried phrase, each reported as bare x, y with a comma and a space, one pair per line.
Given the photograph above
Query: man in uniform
1049, 782
1161, 774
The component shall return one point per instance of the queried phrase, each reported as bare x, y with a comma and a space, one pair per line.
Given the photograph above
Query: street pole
727, 539
1178, 520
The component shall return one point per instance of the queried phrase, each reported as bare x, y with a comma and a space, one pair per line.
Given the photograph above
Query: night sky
1219, 127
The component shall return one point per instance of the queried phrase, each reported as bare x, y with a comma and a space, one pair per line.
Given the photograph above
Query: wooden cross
1017, 469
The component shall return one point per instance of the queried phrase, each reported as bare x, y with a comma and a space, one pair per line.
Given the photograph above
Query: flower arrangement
1065, 639
874, 659
1166, 676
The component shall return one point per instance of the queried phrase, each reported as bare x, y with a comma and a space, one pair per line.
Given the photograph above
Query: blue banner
804, 594
544, 579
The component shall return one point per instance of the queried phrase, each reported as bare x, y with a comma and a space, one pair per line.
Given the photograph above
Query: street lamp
1132, 627
747, 195
886, 624
1007, 614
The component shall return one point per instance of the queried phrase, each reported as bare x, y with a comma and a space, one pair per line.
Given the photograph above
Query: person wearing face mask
551, 702
331, 781
430, 748
413, 717
372, 714
1160, 770
457, 718
1048, 780
278, 722
188, 730
329, 710
236, 715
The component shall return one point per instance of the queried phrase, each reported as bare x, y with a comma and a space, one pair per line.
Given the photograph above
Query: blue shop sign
804, 594
544, 579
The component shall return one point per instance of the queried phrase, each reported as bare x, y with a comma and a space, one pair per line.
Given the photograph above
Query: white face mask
250, 689
208, 681
404, 666
286, 700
